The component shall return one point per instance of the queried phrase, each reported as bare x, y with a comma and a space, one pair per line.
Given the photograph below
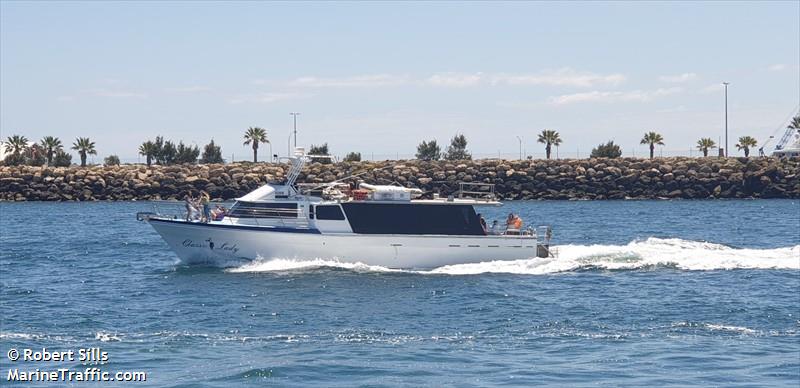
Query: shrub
319, 150
212, 153
111, 160
353, 157
608, 150
186, 154
429, 151
458, 149
62, 159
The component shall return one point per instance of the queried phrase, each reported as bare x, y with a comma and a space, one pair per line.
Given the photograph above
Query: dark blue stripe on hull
251, 228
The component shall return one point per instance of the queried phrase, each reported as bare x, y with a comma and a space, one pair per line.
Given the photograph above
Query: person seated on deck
483, 224
218, 214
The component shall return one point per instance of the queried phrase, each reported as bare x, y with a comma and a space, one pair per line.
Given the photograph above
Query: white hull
192, 242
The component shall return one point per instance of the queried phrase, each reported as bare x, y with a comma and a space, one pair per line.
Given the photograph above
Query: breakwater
624, 178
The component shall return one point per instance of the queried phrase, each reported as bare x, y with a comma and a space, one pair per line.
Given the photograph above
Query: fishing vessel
385, 225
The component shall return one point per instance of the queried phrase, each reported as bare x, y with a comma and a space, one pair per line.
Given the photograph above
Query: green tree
51, 145
253, 136
111, 160
353, 157
652, 138
212, 153
149, 150
186, 154
745, 143
158, 146
84, 146
706, 144
168, 153
319, 150
608, 150
795, 124
429, 151
35, 155
62, 159
16, 144
457, 150
549, 138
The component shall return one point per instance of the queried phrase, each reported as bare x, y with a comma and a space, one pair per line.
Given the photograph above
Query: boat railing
476, 190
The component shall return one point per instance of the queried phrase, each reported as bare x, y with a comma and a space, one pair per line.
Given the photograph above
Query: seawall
624, 178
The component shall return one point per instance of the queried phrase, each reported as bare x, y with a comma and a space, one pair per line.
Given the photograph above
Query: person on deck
189, 206
218, 214
513, 224
483, 224
204, 201
495, 229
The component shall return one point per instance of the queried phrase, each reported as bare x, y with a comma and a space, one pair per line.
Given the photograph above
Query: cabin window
407, 218
263, 210
329, 212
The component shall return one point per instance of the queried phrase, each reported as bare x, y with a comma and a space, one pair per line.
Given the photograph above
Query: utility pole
726, 117
294, 115
520, 147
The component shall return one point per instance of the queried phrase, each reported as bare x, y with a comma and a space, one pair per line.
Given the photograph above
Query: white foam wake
650, 253
288, 265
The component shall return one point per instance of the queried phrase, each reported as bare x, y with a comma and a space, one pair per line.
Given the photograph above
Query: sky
379, 77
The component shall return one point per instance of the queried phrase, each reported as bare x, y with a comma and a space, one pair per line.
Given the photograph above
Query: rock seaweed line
625, 178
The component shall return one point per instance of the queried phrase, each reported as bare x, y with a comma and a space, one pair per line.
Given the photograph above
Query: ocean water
643, 293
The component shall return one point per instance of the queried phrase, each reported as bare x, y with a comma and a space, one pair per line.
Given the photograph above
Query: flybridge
469, 193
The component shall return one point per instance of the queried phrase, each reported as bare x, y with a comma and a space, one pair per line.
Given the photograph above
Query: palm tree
745, 143
149, 150
705, 144
51, 145
84, 147
255, 135
549, 138
652, 138
16, 144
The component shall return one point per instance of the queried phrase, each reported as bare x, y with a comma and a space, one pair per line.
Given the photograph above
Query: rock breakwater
625, 178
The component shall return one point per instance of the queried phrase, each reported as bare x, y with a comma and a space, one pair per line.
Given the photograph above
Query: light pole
294, 115
520, 147
289, 146
726, 117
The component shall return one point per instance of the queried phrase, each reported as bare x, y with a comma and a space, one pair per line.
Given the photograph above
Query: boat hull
223, 244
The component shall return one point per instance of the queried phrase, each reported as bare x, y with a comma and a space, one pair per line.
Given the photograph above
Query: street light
520, 147
294, 115
726, 117
289, 146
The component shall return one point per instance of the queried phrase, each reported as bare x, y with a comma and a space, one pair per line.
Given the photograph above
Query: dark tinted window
329, 212
263, 210
388, 218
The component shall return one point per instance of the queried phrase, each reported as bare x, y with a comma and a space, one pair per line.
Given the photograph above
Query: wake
642, 254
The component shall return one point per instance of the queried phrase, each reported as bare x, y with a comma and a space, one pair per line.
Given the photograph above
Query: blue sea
643, 293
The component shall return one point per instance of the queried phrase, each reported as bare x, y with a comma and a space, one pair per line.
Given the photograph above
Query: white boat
388, 226
789, 144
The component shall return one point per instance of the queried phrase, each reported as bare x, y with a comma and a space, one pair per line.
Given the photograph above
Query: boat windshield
243, 209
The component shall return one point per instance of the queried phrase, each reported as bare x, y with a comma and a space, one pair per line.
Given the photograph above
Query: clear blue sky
380, 77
